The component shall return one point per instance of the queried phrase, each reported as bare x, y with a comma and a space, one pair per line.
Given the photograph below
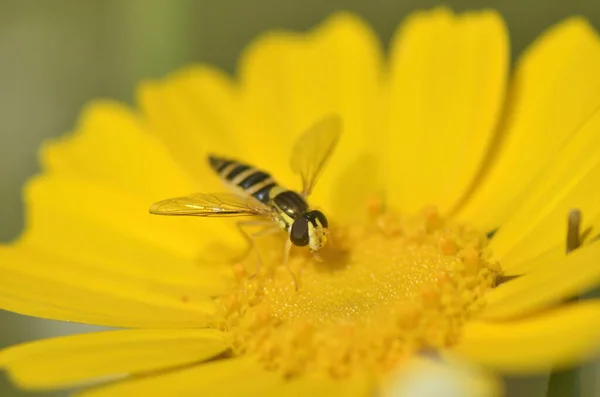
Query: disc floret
387, 290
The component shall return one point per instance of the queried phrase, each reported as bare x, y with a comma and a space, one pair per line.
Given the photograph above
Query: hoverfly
256, 193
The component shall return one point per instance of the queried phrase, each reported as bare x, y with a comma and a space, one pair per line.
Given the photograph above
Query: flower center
385, 290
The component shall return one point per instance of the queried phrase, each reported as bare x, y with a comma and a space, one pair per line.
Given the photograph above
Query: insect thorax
288, 204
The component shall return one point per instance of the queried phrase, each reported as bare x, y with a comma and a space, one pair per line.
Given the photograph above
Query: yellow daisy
437, 151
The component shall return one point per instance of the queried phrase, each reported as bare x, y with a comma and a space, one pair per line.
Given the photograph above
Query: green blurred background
55, 56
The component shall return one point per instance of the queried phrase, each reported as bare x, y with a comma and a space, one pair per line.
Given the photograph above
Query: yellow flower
437, 151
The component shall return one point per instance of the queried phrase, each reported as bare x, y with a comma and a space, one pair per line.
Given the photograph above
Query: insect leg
286, 257
252, 237
286, 253
248, 237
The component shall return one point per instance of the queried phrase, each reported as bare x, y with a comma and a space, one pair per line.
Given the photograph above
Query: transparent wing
313, 149
212, 204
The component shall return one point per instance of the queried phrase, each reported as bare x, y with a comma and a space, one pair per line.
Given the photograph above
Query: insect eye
299, 234
318, 215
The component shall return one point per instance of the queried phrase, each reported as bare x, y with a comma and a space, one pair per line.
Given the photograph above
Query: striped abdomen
252, 181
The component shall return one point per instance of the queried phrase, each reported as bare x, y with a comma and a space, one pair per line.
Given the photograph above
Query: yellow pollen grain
470, 257
388, 289
239, 271
447, 246
374, 205
389, 224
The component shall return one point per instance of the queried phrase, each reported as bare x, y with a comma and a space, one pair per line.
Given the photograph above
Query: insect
256, 193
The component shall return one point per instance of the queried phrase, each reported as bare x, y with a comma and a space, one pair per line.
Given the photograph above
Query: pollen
388, 289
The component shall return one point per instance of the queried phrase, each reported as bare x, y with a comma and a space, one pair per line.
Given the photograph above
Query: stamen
573, 241
574, 230
394, 286
566, 380
375, 205
501, 279
491, 233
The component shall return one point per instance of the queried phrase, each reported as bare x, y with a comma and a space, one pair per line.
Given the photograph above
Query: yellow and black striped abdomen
252, 181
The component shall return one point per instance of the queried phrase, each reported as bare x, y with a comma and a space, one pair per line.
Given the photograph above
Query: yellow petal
555, 88
553, 280
355, 186
356, 385
110, 172
557, 338
570, 181
60, 209
47, 285
111, 146
290, 81
70, 360
193, 113
227, 377
555, 254
447, 88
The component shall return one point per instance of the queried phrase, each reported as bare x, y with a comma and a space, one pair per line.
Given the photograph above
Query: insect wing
313, 149
217, 204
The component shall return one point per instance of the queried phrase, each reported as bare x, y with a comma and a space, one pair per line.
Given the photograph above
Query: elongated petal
355, 386
233, 377
553, 280
67, 361
108, 173
555, 89
553, 255
111, 145
448, 76
556, 338
93, 254
570, 181
228, 377
193, 112
60, 209
290, 81
46, 285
